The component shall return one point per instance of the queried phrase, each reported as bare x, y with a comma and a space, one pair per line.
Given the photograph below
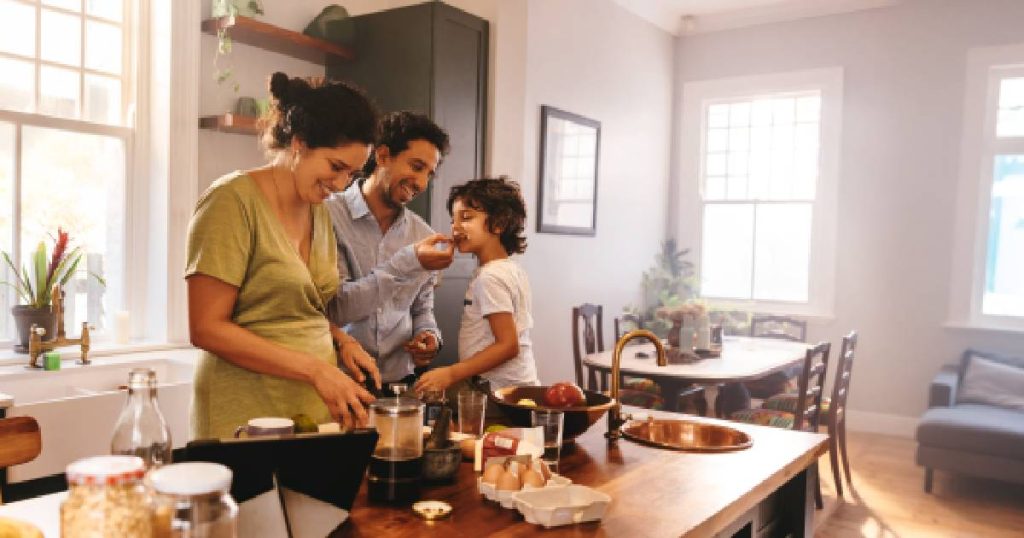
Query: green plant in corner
34, 284
669, 282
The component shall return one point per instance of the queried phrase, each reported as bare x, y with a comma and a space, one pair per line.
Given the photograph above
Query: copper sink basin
686, 435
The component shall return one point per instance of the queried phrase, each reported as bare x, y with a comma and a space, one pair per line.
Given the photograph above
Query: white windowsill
981, 326
102, 349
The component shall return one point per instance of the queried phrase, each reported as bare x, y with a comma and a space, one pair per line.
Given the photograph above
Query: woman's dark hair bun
279, 85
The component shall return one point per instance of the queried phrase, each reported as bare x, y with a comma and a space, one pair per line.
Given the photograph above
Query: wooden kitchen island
765, 490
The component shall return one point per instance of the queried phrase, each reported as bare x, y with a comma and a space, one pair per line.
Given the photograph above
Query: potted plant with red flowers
34, 286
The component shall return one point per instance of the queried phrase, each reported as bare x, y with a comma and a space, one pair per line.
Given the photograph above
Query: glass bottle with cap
192, 500
106, 497
141, 429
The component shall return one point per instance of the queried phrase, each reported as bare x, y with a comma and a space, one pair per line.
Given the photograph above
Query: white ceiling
713, 15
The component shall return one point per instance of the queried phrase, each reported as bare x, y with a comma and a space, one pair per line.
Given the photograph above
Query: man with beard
387, 255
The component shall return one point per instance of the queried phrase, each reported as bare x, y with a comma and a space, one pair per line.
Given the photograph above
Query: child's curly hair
503, 203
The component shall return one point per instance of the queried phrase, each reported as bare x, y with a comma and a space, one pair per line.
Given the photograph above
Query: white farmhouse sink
76, 407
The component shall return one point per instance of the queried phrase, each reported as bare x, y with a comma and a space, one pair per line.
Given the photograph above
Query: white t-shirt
499, 286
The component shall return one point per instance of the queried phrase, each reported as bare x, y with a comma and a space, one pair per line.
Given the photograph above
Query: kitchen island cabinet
765, 490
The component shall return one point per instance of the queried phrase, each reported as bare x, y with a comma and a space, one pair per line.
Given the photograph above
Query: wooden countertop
654, 492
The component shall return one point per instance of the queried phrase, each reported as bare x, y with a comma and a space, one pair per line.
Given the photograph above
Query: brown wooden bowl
577, 419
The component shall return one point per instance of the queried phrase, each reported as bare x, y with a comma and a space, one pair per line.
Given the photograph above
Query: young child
488, 217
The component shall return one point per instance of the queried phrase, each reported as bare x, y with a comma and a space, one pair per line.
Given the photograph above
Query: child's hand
436, 379
430, 257
423, 348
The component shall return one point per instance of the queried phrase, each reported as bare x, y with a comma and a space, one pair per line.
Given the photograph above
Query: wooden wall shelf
269, 37
231, 123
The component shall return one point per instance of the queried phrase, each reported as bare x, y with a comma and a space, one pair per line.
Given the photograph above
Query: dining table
741, 359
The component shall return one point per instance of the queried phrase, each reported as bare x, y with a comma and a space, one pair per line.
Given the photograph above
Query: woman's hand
436, 379
345, 399
354, 358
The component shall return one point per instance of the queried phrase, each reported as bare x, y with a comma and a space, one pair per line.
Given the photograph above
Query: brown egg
492, 473
533, 479
509, 482
545, 472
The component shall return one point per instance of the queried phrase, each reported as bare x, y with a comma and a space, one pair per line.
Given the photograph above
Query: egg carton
561, 506
506, 498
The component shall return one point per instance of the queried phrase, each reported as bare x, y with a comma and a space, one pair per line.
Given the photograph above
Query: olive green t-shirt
236, 237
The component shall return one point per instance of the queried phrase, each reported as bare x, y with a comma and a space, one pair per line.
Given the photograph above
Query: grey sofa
970, 438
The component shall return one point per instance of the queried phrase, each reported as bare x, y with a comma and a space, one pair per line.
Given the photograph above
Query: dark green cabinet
432, 59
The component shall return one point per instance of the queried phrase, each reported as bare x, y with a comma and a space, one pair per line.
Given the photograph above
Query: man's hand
422, 348
436, 379
354, 358
430, 257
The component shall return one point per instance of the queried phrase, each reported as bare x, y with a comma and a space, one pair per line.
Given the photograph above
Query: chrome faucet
36, 345
615, 416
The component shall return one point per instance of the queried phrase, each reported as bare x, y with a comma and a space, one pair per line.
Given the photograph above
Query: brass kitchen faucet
36, 345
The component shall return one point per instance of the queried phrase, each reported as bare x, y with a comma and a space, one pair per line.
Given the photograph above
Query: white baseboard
867, 421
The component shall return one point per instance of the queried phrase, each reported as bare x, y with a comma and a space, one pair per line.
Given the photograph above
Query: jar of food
106, 498
192, 500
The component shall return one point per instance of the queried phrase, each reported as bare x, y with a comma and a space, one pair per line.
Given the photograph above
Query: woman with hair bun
262, 265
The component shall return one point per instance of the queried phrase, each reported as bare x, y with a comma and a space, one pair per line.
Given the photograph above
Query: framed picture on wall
567, 196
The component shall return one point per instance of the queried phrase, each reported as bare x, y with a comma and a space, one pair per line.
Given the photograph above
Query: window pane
70, 5
17, 28
76, 181
103, 99
1010, 117
718, 116
782, 252
58, 91
727, 248
17, 80
103, 47
107, 9
1004, 264
7, 297
62, 38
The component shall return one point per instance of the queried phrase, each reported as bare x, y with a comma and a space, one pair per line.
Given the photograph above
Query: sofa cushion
974, 428
970, 354
991, 382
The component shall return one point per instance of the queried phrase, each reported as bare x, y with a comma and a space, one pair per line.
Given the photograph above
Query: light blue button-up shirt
385, 297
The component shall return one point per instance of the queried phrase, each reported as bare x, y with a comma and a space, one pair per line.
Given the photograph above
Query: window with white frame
760, 155
66, 96
1002, 292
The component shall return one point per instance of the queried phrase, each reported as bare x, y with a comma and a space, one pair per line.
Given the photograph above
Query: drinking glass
471, 412
552, 423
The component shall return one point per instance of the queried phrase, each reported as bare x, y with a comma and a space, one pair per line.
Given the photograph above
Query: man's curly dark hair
502, 201
397, 129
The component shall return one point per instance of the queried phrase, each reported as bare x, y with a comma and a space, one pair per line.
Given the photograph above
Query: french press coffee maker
395, 466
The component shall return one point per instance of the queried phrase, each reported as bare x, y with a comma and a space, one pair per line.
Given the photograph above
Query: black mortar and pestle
441, 456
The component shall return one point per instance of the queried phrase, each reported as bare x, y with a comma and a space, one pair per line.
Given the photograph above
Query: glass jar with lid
106, 497
192, 500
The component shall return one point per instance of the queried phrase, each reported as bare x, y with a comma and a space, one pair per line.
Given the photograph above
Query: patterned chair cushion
641, 384
764, 417
787, 403
643, 399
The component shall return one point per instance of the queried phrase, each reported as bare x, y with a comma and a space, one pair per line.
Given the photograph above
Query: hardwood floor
889, 500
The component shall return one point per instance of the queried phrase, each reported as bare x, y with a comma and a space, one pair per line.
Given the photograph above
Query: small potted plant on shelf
34, 285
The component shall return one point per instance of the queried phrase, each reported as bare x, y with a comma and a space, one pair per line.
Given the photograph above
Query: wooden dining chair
806, 413
587, 338
837, 411
626, 323
780, 327
20, 442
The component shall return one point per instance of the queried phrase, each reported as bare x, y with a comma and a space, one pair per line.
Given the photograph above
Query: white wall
596, 59
904, 70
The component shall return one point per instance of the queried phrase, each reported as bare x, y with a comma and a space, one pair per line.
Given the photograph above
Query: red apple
564, 394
